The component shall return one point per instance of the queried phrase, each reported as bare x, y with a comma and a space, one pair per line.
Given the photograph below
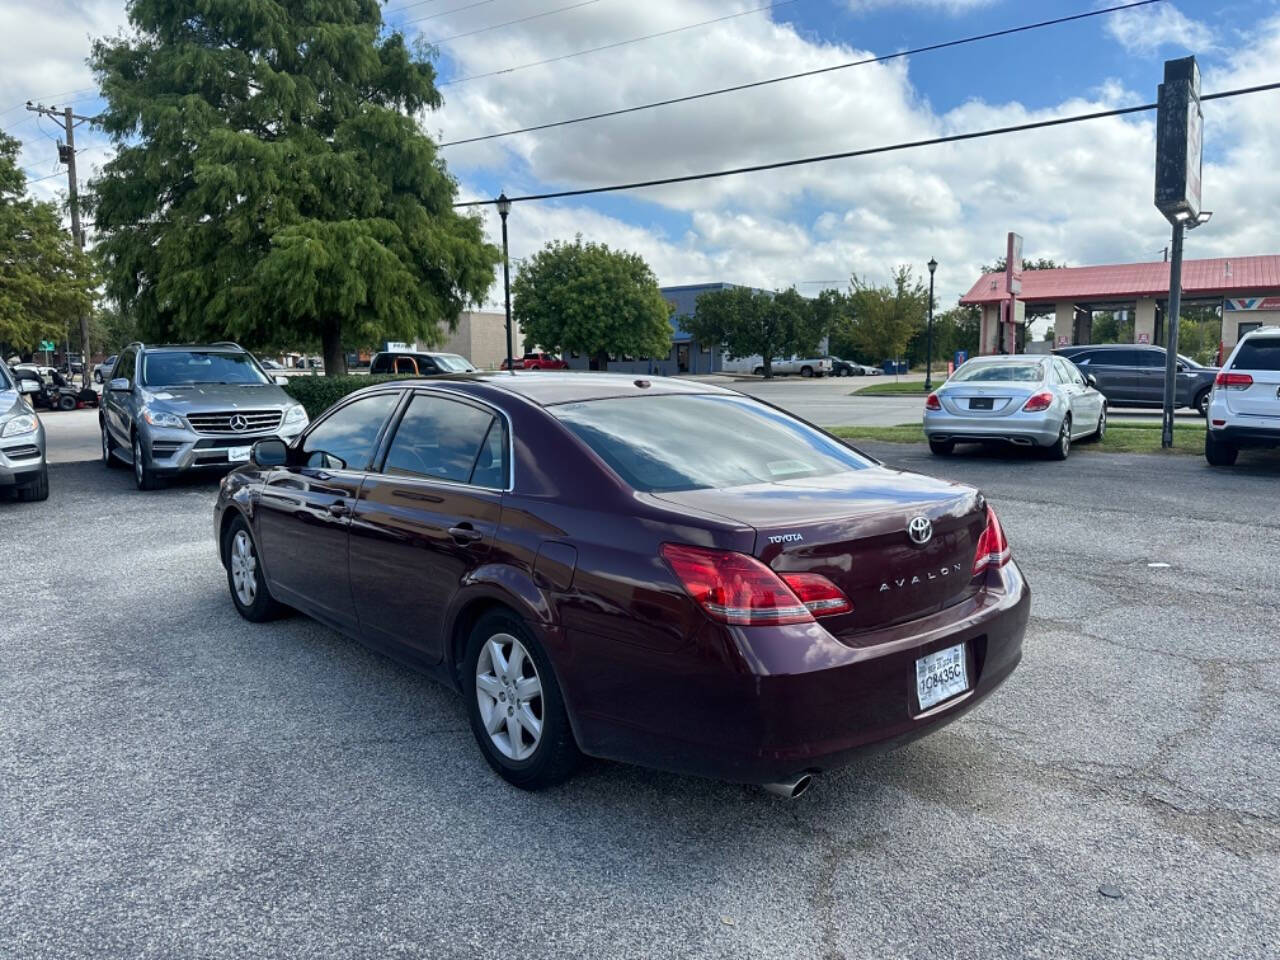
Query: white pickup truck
805, 366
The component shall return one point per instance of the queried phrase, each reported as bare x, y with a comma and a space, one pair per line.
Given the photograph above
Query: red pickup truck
538, 360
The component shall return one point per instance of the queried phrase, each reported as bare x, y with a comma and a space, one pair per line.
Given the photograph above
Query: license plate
940, 676
980, 403
238, 454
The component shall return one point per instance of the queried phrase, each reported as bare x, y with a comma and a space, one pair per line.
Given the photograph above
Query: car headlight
296, 414
158, 418
22, 423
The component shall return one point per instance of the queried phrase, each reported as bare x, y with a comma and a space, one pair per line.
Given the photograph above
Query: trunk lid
986, 400
852, 529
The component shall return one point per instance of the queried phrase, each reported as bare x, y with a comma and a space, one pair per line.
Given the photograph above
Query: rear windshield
999, 373
173, 368
699, 442
1258, 353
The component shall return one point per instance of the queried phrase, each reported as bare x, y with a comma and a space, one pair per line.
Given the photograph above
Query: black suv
1132, 375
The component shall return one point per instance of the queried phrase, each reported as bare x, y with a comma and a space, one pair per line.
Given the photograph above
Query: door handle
464, 533
339, 509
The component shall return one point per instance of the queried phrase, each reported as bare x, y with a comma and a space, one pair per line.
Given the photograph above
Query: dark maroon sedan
654, 571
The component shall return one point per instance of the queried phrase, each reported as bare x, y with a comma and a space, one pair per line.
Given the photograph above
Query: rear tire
249, 591
532, 761
806, 372
1218, 452
1202, 403
38, 489
66, 402
1062, 447
942, 448
108, 449
758, 371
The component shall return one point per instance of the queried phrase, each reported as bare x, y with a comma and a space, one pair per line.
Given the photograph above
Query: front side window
999, 373
700, 441
125, 366
173, 368
348, 437
441, 439
1115, 358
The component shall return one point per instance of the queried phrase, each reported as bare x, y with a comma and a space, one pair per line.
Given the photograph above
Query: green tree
1040, 263
586, 298
750, 322
885, 318
45, 282
271, 183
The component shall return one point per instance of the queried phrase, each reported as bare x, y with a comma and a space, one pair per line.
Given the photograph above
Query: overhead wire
863, 152
508, 23
929, 48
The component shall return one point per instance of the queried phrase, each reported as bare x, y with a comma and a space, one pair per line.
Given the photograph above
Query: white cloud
1147, 29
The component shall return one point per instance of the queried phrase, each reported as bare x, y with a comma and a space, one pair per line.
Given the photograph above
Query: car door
1149, 374
1086, 402
426, 519
117, 405
304, 508
1117, 374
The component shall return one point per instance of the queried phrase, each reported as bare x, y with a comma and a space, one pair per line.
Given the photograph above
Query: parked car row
22, 451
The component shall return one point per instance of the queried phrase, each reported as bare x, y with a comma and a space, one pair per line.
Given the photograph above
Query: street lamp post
504, 208
928, 370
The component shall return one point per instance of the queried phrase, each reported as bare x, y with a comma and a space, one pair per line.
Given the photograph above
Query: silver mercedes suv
22, 465
168, 409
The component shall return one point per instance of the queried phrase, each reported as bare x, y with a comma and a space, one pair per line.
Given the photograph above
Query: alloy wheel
509, 694
1064, 441
244, 568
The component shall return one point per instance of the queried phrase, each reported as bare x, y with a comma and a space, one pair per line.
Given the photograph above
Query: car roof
1007, 358
174, 347
549, 387
1263, 332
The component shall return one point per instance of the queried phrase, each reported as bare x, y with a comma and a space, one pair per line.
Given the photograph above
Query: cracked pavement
177, 782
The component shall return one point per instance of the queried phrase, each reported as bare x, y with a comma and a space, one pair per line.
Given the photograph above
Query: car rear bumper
1244, 435
1019, 428
758, 726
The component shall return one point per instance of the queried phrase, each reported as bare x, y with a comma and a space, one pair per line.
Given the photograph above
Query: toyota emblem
920, 530
240, 424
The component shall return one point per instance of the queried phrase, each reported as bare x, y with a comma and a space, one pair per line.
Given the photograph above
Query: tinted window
346, 438
1072, 374
440, 439
1083, 357
381, 364
999, 373
1258, 353
1114, 358
695, 442
125, 365
175, 367
1150, 358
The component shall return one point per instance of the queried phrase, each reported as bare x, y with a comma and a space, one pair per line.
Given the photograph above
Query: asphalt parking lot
177, 782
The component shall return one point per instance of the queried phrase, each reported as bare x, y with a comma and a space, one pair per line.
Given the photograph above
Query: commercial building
686, 354
1245, 289
481, 337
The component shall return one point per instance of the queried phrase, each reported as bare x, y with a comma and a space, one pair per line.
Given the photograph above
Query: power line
806, 73
866, 151
445, 13
509, 23
618, 43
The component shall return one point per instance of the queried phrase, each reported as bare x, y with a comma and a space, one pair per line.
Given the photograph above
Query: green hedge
318, 394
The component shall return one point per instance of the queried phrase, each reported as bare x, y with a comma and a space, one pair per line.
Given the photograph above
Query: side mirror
28, 386
270, 453
1091, 380
119, 385
280, 380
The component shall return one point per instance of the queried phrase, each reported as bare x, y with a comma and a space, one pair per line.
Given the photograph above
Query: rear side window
699, 441
441, 439
1151, 358
347, 437
381, 364
1258, 353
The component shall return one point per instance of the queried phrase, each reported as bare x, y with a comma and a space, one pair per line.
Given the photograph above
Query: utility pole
67, 155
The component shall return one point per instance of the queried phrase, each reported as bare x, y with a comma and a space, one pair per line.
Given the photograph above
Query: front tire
758, 371
515, 705
1219, 453
1061, 448
38, 489
249, 591
143, 476
1101, 432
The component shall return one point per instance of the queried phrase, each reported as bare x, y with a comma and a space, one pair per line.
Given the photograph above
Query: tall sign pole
1013, 287
1179, 146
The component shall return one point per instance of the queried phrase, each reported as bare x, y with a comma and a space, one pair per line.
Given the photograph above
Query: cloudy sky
1080, 193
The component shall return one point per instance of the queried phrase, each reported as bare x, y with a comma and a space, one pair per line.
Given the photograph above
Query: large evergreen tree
272, 184
45, 283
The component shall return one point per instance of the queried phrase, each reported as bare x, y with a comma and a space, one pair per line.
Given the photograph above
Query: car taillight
993, 548
734, 588
820, 595
932, 402
1038, 401
1233, 381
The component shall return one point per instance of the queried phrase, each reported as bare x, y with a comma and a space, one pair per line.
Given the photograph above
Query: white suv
1244, 409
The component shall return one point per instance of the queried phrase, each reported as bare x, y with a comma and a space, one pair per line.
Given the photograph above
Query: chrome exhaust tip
792, 788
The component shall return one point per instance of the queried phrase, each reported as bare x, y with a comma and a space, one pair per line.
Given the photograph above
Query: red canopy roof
1229, 276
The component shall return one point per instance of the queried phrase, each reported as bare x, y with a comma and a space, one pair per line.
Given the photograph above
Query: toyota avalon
649, 570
